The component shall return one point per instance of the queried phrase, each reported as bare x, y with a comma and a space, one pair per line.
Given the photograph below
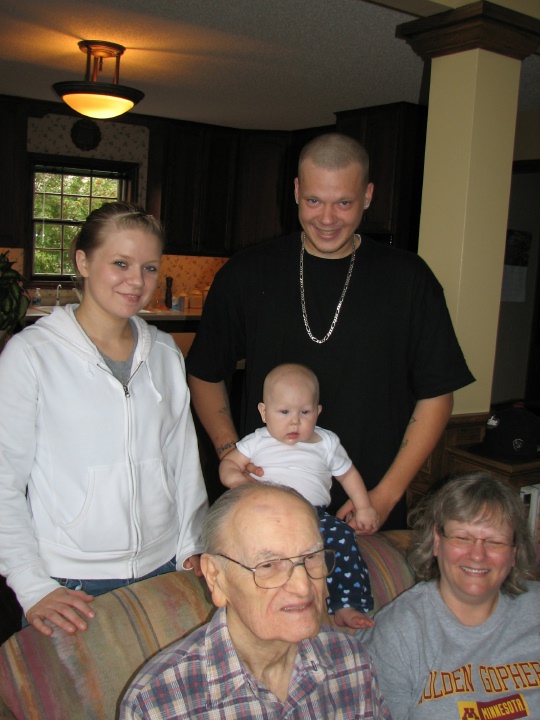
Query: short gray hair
468, 497
213, 529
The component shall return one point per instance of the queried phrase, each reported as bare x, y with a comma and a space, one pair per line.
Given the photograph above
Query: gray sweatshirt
432, 667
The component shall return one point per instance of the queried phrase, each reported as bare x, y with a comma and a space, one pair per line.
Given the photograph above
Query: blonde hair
116, 215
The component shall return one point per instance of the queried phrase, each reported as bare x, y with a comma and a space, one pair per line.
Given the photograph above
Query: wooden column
475, 53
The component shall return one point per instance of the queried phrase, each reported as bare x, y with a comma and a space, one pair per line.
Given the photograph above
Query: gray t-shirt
432, 667
121, 369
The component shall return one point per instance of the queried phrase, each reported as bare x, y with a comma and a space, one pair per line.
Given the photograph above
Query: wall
16, 255
515, 318
188, 272
527, 141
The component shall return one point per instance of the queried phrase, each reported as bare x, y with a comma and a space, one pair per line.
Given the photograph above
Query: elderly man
264, 654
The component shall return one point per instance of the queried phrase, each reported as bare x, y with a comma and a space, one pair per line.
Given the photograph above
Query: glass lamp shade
98, 100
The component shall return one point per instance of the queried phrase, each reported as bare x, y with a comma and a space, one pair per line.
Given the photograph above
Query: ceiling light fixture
99, 99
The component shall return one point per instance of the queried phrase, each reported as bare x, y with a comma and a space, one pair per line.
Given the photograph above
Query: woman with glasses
464, 642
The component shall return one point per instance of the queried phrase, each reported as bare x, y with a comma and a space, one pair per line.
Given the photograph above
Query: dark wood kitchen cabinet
260, 187
213, 229
224, 188
394, 136
198, 189
181, 162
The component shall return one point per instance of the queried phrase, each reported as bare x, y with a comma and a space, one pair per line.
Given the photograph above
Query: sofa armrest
389, 572
85, 676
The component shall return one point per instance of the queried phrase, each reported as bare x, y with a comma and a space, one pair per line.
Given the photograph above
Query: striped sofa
84, 677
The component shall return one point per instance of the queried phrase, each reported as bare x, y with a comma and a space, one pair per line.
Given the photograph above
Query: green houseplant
14, 299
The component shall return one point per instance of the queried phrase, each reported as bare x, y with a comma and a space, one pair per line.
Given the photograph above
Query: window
64, 193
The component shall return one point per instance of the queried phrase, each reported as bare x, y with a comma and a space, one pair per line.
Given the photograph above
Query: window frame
129, 170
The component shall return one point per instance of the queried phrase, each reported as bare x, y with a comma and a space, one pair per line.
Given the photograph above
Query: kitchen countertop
167, 320
147, 314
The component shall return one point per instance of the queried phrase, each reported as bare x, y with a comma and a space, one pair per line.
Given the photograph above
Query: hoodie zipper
134, 494
134, 487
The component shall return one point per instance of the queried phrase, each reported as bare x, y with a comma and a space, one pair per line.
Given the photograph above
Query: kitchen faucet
58, 288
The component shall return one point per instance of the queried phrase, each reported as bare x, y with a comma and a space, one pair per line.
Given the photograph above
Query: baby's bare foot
349, 617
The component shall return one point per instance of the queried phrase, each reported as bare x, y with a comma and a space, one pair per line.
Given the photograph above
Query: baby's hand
232, 476
252, 470
367, 520
365, 622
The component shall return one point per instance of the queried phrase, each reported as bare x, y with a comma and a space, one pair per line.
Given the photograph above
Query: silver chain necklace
303, 295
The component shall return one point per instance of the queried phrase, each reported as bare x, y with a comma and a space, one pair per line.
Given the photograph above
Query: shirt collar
226, 674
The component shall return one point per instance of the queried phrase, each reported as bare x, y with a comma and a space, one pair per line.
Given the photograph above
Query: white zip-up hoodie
111, 473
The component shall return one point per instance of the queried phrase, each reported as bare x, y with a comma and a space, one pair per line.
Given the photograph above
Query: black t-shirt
393, 343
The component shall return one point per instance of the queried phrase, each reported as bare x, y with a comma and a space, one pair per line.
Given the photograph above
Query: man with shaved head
370, 320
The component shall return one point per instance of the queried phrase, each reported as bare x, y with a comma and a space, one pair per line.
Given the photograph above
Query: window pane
98, 202
50, 236
76, 208
77, 185
38, 232
68, 265
48, 182
47, 261
69, 233
105, 188
39, 201
47, 206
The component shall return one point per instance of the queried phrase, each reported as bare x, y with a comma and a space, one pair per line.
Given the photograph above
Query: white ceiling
261, 64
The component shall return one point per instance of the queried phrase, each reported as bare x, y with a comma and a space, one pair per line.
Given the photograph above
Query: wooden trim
482, 25
462, 431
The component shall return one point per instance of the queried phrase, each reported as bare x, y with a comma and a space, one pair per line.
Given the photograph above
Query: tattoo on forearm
223, 449
405, 441
225, 410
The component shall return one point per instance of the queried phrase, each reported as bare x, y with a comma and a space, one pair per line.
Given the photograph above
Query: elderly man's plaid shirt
202, 677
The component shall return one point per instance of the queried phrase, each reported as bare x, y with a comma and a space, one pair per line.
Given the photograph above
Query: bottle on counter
36, 300
168, 292
182, 301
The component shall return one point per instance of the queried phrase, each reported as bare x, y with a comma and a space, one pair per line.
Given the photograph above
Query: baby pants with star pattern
348, 584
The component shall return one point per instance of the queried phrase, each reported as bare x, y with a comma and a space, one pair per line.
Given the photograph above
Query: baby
294, 451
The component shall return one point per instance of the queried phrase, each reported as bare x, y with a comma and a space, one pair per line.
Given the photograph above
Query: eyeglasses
275, 573
464, 540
